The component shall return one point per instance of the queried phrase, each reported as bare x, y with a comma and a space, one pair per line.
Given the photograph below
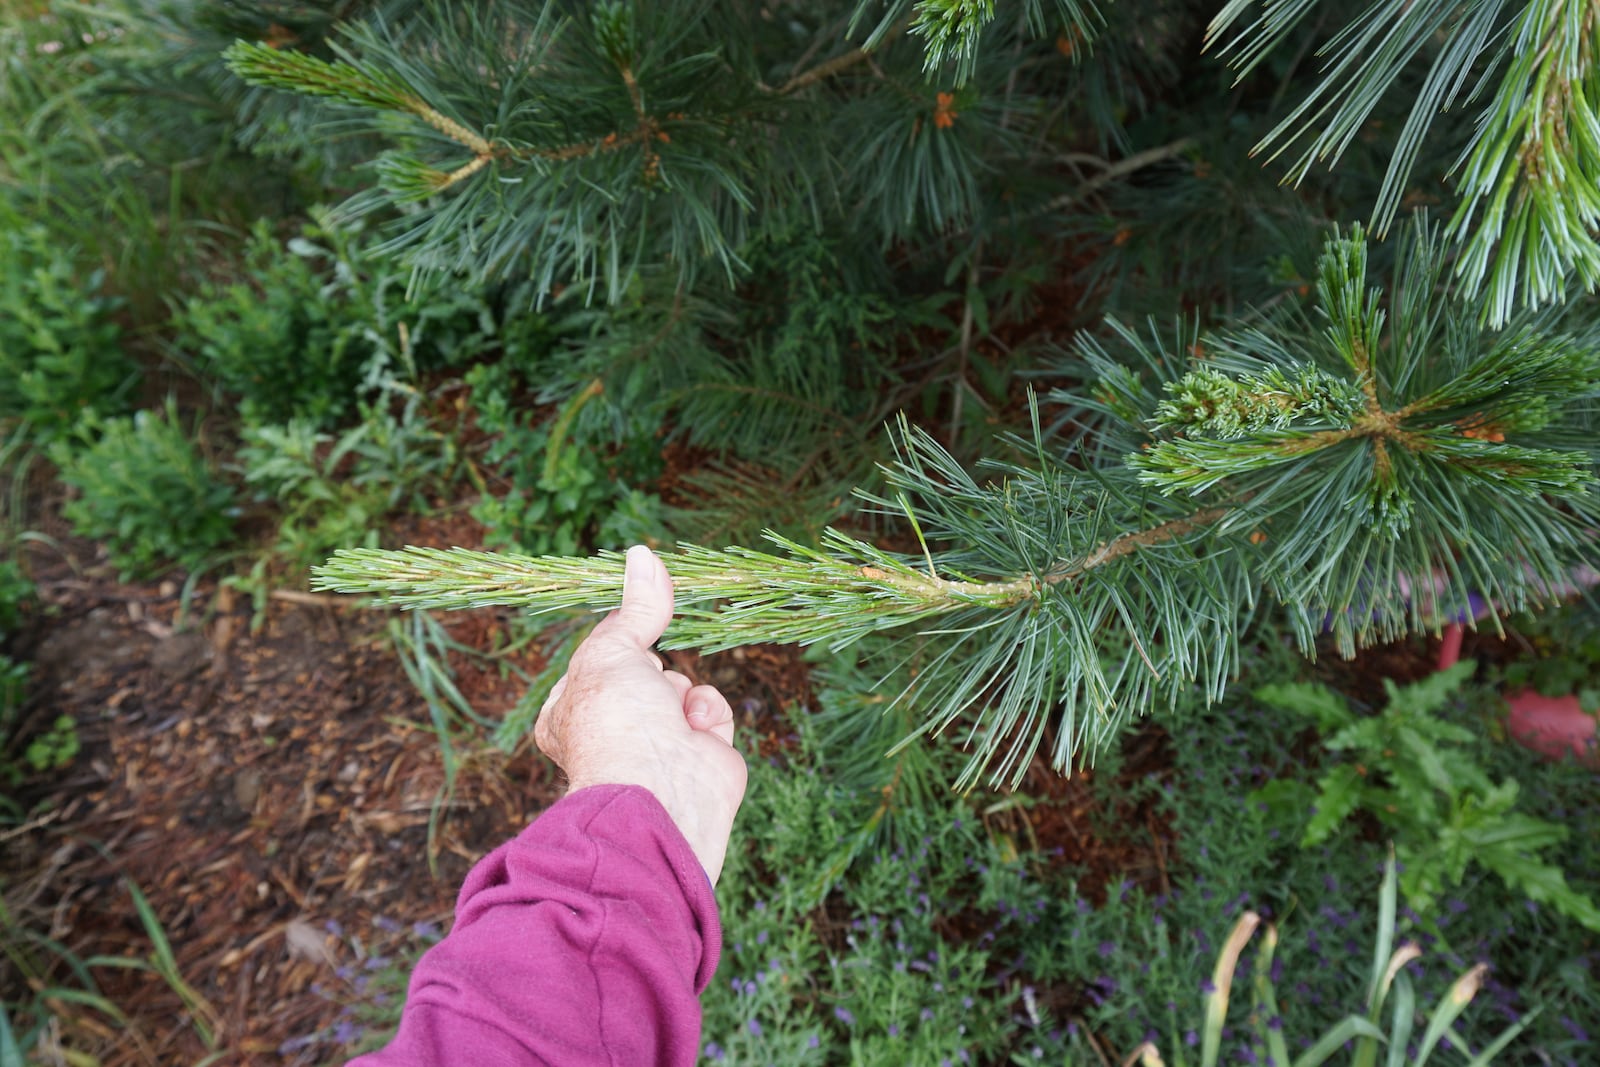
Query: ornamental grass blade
1486, 1057
1405, 1004
1450, 1008
1221, 982
1269, 1020
10, 1051
1350, 1028
1384, 946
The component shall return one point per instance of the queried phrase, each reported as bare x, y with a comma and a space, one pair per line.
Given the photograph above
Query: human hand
617, 717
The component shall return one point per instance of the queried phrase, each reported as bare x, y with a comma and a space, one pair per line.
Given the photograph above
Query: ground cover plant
1103, 374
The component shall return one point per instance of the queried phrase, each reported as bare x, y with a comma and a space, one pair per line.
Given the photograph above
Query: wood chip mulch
269, 792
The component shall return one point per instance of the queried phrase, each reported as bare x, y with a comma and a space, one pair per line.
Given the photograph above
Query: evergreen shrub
145, 490
61, 346
553, 489
314, 325
329, 489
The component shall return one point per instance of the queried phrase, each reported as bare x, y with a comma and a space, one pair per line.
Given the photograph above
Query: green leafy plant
1413, 771
16, 591
145, 490
563, 495
315, 325
61, 348
54, 749
328, 489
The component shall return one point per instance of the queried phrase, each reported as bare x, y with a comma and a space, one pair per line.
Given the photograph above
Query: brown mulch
263, 790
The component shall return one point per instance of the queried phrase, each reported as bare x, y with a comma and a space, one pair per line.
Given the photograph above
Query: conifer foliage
1337, 464
1406, 427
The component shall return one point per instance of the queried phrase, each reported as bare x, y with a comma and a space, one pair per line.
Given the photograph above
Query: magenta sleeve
586, 939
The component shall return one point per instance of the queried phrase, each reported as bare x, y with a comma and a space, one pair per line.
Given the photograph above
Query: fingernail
638, 570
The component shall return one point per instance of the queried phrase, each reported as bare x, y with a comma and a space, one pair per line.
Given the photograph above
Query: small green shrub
562, 496
15, 592
314, 326
334, 490
144, 489
60, 344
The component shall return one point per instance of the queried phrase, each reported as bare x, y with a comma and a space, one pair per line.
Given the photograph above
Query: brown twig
1123, 544
1121, 169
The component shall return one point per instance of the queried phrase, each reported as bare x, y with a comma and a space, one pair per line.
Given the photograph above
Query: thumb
646, 600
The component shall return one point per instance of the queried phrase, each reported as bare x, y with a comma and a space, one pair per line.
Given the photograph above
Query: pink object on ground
1554, 727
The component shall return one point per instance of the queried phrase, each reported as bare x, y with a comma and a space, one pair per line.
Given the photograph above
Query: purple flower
386, 924
1578, 1033
894, 1031
755, 1028
1107, 948
713, 1051
844, 1016
813, 1042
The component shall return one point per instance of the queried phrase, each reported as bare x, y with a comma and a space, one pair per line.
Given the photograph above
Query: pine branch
575, 124
1530, 203
1529, 220
824, 70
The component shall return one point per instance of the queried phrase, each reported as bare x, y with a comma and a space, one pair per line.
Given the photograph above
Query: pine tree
1368, 430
